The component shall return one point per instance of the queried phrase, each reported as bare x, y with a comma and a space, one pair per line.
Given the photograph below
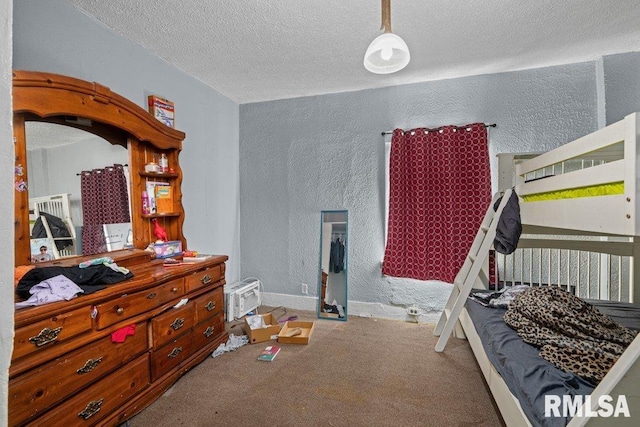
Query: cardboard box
168, 249
162, 109
257, 335
303, 338
329, 315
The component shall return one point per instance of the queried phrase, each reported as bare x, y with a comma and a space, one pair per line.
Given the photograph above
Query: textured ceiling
259, 50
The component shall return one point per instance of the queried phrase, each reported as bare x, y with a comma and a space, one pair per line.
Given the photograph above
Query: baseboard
298, 302
355, 308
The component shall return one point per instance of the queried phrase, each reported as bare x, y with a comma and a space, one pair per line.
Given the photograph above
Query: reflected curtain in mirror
105, 200
332, 280
439, 190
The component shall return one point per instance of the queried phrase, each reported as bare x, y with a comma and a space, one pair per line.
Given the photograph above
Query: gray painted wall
622, 85
51, 35
300, 156
6, 218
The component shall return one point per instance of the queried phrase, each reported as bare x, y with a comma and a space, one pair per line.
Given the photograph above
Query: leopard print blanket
571, 333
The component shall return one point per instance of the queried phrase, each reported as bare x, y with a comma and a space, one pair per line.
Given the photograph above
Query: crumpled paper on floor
233, 343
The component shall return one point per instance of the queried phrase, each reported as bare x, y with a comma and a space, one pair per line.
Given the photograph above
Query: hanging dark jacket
509, 227
336, 257
58, 229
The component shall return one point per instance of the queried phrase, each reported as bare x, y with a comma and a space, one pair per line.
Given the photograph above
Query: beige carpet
363, 372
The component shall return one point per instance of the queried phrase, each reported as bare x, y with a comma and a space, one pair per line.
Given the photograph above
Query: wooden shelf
160, 215
159, 175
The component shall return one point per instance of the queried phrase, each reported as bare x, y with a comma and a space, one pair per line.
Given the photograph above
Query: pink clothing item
57, 288
121, 334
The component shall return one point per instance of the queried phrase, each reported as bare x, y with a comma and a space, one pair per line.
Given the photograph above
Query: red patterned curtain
105, 200
440, 189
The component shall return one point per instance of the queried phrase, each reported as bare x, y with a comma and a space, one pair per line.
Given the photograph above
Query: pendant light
387, 53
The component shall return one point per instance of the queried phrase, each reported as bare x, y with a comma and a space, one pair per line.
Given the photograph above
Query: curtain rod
125, 165
487, 125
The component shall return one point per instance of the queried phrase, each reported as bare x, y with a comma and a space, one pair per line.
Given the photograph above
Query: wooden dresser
67, 370
68, 367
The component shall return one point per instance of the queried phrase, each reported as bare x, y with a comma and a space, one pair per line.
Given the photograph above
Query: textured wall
622, 85
300, 156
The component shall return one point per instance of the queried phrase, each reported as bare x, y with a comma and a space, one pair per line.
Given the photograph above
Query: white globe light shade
386, 54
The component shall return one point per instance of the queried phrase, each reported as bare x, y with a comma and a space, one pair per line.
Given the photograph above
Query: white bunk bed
588, 187
58, 205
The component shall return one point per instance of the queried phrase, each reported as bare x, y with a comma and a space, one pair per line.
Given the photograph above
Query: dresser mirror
332, 280
64, 126
57, 154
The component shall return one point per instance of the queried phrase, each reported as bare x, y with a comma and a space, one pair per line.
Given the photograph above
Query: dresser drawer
32, 393
170, 356
129, 305
209, 304
204, 278
42, 335
94, 403
174, 322
207, 331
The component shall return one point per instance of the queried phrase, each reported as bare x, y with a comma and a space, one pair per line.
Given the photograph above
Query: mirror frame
51, 97
321, 273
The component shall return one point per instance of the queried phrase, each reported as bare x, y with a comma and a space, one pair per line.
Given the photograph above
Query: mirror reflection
58, 155
333, 265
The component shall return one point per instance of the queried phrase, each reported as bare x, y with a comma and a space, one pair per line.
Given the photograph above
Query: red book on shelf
269, 353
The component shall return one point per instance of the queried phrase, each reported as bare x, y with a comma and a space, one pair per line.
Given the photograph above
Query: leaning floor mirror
332, 280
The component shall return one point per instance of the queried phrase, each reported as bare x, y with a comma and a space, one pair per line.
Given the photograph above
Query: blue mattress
528, 376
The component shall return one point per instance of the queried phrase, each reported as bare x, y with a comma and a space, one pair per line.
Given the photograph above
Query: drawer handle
152, 295
119, 310
178, 323
89, 366
210, 305
92, 408
176, 351
45, 336
206, 279
174, 290
209, 331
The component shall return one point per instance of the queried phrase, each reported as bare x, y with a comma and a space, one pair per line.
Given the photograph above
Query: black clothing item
58, 229
509, 226
90, 279
336, 256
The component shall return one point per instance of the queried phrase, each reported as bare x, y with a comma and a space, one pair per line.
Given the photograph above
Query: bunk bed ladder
470, 272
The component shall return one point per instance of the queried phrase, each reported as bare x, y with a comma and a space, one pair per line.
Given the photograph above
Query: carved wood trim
48, 94
52, 96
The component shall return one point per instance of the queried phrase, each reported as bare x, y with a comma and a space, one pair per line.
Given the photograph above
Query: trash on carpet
233, 343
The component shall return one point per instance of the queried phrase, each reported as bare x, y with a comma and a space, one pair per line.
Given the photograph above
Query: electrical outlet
413, 311
305, 288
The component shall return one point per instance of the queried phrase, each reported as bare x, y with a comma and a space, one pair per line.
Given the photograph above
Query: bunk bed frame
589, 187
58, 205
